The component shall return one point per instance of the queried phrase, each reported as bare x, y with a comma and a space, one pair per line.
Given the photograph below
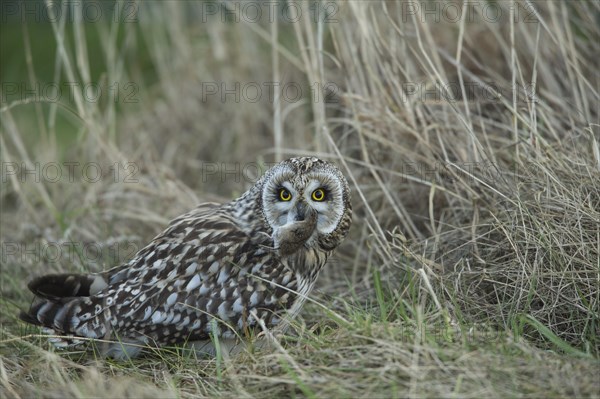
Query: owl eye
284, 194
318, 194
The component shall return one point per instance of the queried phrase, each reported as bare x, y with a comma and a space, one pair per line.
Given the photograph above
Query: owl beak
301, 211
305, 214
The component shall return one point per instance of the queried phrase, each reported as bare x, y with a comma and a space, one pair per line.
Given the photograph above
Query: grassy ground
471, 141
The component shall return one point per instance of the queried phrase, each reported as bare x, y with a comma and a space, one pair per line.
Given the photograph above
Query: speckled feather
216, 262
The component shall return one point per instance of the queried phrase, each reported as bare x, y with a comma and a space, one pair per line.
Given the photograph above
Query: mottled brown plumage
217, 269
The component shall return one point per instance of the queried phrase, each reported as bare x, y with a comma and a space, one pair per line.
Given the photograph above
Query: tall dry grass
490, 168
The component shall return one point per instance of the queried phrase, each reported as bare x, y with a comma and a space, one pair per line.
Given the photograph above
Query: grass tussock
472, 145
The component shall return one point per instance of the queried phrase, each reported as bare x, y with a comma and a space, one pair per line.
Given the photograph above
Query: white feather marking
222, 311
85, 316
75, 321
203, 289
304, 288
48, 331
205, 234
185, 321
172, 299
223, 276
168, 318
97, 285
43, 309
59, 317
84, 331
158, 317
254, 299
194, 283
172, 274
147, 313
213, 267
237, 306
191, 269
228, 334
256, 268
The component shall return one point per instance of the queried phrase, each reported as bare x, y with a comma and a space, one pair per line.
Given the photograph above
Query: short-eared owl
222, 270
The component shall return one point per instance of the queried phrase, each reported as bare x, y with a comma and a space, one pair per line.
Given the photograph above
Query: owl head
305, 202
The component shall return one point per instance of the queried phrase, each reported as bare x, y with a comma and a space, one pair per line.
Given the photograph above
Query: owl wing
84, 304
203, 267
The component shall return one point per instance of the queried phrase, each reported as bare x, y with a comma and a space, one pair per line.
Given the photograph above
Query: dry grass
473, 265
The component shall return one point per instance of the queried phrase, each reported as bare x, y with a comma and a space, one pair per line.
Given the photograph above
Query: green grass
457, 279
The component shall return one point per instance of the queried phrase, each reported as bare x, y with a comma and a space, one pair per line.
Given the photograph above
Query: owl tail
60, 298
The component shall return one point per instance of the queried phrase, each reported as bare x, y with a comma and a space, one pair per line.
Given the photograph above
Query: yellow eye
284, 194
318, 194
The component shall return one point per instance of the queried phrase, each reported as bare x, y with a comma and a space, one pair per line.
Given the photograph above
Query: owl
219, 273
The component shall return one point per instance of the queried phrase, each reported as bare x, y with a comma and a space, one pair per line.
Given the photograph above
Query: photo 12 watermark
455, 91
470, 11
69, 172
69, 92
253, 92
447, 172
86, 11
269, 11
68, 252
237, 172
